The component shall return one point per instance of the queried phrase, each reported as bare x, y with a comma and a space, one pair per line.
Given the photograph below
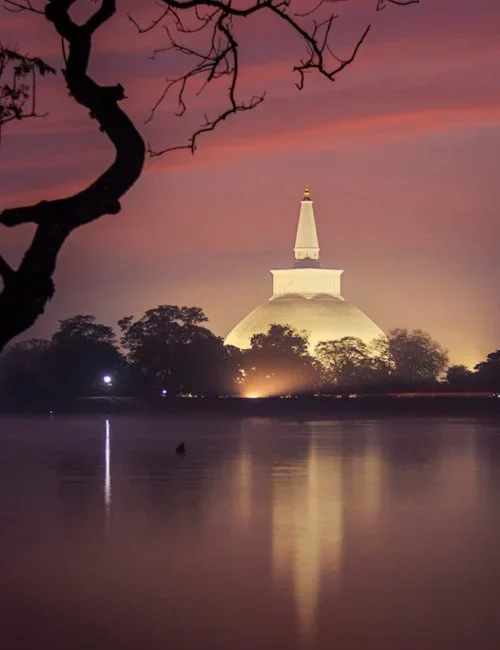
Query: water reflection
360, 535
307, 520
366, 482
243, 469
107, 469
458, 474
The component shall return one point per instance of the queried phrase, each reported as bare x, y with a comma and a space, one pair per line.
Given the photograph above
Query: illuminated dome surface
323, 317
307, 297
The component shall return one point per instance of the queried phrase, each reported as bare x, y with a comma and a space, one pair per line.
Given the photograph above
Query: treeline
169, 351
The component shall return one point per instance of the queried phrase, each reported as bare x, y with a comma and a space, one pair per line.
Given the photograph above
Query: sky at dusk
401, 153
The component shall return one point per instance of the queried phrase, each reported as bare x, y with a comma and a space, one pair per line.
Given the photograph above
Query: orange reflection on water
368, 476
458, 475
242, 475
307, 530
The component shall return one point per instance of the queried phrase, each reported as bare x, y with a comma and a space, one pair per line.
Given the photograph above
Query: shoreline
297, 407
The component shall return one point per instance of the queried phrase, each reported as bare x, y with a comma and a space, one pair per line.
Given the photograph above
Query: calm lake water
267, 534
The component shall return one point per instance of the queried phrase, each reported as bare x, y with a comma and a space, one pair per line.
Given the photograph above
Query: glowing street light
107, 380
164, 392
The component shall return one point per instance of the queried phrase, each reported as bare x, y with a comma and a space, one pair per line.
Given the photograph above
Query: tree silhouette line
169, 352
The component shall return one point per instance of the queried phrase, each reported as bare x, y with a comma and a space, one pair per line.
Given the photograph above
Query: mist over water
266, 534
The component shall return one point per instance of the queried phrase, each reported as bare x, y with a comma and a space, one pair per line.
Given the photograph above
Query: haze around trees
169, 351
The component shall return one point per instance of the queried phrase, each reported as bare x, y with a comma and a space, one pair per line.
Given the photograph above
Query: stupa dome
306, 297
323, 317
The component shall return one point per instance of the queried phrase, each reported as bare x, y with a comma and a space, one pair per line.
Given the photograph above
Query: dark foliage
169, 351
278, 362
488, 372
18, 75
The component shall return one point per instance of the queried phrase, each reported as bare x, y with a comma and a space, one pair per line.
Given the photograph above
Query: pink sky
401, 154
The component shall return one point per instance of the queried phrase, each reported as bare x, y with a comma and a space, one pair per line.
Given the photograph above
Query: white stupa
306, 296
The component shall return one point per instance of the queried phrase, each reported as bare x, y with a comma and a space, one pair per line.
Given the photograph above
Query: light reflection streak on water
307, 531
107, 470
243, 480
368, 470
458, 475
375, 530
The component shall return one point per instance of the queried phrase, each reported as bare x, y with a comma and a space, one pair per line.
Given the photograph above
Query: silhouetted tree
28, 288
488, 372
22, 371
170, 348
205, 366
84, 327
460, 376
349, 362
278, 362
414, 355
81, 353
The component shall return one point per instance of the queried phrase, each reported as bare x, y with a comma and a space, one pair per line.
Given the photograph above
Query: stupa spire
306, 249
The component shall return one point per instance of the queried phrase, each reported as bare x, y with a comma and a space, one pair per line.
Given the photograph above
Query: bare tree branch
211, 26
202, 31
18, 92
17, 7
28, 289
381, 4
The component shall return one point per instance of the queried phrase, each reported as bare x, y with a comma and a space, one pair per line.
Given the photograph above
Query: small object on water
180, 449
